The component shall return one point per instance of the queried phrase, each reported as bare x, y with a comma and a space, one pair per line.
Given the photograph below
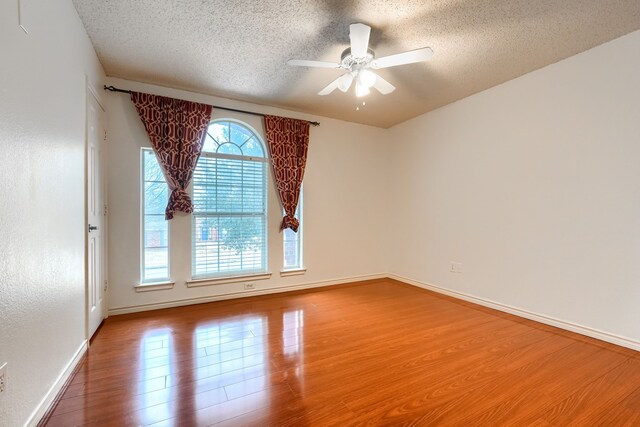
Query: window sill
156, 286
293, 272
224, 280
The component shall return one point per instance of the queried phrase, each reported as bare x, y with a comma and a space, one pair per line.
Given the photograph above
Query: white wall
534, 185
42, 118
343, 205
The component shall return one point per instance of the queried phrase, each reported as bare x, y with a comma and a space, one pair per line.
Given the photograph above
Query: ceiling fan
358, 61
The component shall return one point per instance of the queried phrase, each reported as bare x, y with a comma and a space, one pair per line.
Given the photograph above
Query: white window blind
155, 229
229, 226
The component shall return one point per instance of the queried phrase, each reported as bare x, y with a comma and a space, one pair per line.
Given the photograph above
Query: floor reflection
156, 364
221, 369
232, 367
292, 332
293, 348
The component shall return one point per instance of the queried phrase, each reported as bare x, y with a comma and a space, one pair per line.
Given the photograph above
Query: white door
96, 211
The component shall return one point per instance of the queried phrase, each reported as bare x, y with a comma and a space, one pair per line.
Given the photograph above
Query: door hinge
105, 135
105, 210
105, 286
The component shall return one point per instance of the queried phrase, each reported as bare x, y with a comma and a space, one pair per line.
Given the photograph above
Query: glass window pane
292, 242
252, 148
152, 171
156, 195
239, 134
155, 267
210, 145
229, 148
290, 252
155, 229
219, 131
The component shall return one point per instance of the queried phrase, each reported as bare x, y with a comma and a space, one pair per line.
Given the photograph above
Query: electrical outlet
249, 286
3, 379
455, 267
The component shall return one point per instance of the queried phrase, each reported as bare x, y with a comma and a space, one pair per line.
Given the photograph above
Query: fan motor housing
348, 61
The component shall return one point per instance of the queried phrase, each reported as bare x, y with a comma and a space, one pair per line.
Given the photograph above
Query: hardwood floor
376, 353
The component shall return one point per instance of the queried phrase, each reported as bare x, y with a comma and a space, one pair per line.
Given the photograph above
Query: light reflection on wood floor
377, 353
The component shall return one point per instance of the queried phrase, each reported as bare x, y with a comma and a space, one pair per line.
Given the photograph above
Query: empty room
322, 213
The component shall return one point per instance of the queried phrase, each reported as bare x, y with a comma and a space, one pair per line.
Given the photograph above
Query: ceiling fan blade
359, 35
330, 87
383, 86
408, 57
306, 63
344, 82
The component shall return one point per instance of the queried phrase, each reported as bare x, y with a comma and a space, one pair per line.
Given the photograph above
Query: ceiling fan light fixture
367, 77
358, 61
361, 89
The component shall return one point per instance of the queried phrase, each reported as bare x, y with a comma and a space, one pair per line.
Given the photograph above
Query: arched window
229, 229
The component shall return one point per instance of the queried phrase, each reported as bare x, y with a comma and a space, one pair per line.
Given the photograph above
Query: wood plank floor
375, 353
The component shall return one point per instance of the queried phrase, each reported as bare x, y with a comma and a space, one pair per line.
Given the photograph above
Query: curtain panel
176, 129
288, 141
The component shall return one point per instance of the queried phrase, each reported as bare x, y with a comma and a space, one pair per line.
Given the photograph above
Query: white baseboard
48, 398
547, 320
243, 294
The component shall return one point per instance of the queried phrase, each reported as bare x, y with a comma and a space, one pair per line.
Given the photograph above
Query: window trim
154, 286
293, 272
150, 283
195, 283
235, 276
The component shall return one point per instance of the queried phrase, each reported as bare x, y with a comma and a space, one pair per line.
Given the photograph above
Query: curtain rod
115, 89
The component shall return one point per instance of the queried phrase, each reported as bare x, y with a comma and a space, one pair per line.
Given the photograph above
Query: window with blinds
229, 225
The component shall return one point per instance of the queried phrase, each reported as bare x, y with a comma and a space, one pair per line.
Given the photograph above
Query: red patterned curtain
288, 141
176, 129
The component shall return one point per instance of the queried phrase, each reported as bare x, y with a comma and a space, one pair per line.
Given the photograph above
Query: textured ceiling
239, 49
